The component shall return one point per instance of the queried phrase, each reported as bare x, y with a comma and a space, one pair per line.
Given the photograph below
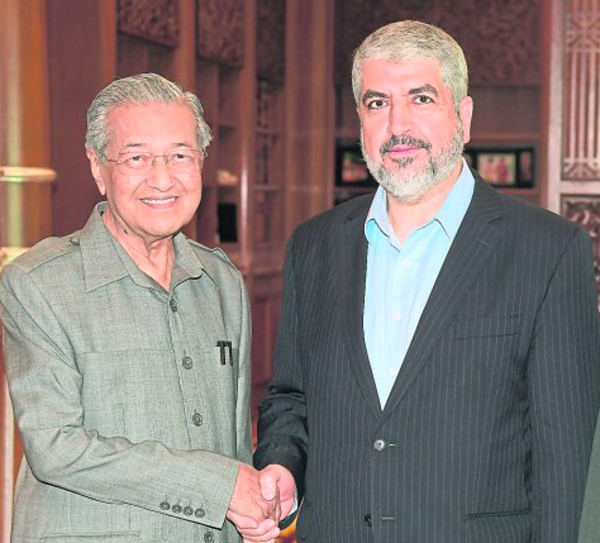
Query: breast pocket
488, 327
489, 342
220, 367
509, 527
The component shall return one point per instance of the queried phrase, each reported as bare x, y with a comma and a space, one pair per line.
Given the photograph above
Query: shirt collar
450, 215
105, 261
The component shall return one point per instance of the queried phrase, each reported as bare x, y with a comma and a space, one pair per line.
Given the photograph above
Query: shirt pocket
219, 369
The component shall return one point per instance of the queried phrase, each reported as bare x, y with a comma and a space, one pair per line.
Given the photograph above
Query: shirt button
197, 419
188, 511
74, 240
368, 520
173, 305
379, 444
209, 537
187, 362
165, 506
176, 508
406, 264
199, 512
397, 315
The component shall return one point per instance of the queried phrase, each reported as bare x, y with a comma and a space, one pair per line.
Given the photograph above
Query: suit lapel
353, 263
472, 247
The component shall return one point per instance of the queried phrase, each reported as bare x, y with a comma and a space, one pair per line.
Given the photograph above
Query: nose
400, 119
160, 176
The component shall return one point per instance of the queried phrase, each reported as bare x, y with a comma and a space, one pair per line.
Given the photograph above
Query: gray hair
413, 40
138, 90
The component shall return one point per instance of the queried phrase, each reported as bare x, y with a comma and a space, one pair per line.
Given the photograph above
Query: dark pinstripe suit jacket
487, 432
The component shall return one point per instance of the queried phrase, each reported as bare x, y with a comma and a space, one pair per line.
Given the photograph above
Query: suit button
187, 362
74, 240
379, 444
197, 419
188, 511
368, 520
173, 305
209, 537
176, 509
199, 512
165, 506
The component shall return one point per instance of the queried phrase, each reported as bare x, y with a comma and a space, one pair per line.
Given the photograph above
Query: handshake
261, 499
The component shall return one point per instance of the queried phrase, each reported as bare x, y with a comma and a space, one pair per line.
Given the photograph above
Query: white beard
406, 186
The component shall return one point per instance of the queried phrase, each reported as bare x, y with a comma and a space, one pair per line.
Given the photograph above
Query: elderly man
437, 372
127, 347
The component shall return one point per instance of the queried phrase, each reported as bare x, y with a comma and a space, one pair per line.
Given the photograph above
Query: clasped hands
260, 500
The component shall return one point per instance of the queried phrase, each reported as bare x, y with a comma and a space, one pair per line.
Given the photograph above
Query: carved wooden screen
578, 186
500, 37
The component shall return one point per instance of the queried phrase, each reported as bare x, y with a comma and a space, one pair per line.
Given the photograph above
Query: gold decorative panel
221, 31
153, 20
581, 120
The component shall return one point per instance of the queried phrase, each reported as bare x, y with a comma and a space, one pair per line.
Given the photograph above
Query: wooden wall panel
501, 38
220, 35
81, 61
136, 55
266, 302
310, 110
270, 40
153, 20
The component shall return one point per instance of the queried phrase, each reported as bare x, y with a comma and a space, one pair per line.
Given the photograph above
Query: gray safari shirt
132, 402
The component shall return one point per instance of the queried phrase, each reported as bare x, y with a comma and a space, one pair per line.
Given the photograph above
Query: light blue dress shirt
400, 277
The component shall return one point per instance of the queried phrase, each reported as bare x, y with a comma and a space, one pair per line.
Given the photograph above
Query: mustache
404, 140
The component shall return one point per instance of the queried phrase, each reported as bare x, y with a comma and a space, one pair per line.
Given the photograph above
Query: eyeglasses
178, 161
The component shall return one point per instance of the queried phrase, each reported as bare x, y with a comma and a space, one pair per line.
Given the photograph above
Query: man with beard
438, 360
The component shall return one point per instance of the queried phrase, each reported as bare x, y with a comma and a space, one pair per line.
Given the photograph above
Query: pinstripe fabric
489, 425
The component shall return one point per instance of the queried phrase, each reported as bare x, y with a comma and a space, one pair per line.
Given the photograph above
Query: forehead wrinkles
382, 73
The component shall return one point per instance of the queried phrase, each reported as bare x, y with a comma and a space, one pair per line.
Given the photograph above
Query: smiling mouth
159, 201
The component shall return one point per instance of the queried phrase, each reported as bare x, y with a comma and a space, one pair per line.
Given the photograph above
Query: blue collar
449, 216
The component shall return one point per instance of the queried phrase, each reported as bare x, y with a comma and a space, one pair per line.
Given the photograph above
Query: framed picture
504, 167
351, 170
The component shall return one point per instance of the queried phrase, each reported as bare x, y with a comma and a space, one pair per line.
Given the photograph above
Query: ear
96, 168
466, 115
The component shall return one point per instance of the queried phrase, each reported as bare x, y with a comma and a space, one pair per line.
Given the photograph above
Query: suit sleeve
63, 452
564, 388
282, 423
